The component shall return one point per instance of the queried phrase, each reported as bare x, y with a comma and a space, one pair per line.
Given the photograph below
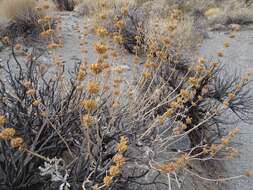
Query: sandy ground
238, 58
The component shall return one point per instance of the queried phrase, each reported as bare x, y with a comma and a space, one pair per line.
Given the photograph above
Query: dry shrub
185, 40
67, 5
20, 11
89, 7
23, 15
97, 128
221, 12
144, 19
232, 13
86, 7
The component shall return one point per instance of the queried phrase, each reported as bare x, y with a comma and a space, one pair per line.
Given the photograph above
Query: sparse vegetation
111, 122
24, 15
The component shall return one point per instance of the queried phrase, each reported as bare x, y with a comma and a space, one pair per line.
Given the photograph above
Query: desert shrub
221, 12
108, 125
23, 15
67, 5
232, 14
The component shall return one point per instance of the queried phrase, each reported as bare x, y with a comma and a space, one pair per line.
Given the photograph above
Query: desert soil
238, 58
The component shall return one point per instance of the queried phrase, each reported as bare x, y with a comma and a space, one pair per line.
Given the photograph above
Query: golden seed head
17, 142
120, 24
174, 105
146, 75
47, 18
118, 38
193, 81
107, 180
44, 34
224, 141
200, 98
226, 103
231, 96
114, 170
161, 119
27, 84
8, 133
2, 120
36, 102
188, 120
201, 60
119, 69
93, 88
53, 46
184, 93
122, 146
50, 31
183, 126
89, 104
200, 68
119, 159
57, 61
96, 68
88, 120
80, 75
44, 113
101, 32
166, 167
168, 113
100, 48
